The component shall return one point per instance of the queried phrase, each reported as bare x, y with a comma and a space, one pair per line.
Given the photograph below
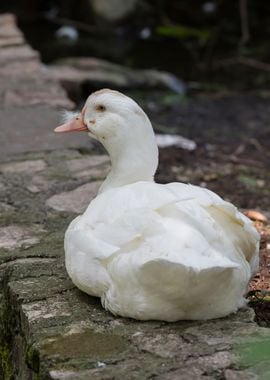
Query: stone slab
76, 200
49, 330
30, 100
30, 129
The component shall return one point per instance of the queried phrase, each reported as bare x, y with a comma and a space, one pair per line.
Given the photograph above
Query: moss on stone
5, 356
32, 358
5, 339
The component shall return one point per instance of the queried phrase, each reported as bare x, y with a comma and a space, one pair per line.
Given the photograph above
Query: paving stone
39, 183
30, 166
70, 336
168, 346
36, 311
231, 374
30, 129
6, 207
8, 28
11, 53
90, 166
12, 237
76, 200
86, 162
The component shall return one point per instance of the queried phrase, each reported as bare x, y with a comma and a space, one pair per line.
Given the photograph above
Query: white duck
153, 251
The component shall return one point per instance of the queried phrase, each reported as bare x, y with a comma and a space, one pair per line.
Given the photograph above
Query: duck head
122, 127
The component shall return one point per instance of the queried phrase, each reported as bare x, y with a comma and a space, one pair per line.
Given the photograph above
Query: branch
250, 62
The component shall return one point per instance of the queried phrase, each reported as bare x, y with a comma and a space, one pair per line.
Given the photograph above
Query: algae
255, 355
32, 358
5, 340
88, 343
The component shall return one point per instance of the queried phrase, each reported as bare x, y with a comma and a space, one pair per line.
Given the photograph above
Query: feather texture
66, 116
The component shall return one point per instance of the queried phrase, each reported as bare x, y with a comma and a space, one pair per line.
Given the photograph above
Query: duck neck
131, 162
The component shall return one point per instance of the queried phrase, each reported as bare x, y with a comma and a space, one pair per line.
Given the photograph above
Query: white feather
67, 116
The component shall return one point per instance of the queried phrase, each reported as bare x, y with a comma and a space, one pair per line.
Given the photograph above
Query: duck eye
100, 108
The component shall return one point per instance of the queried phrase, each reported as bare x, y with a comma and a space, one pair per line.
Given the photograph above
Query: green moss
5, 356
5, 352
32, 358
7, 327
255, 355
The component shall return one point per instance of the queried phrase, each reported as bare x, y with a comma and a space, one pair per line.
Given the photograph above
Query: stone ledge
57, 332
50, 330
23, 78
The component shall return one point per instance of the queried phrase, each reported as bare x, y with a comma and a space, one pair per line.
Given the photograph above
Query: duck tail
192, 293
176, 279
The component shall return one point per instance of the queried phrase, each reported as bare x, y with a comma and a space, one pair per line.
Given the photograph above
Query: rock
11, 41
13, 236
68, 33
22, 77
39, 183
166, 140
96, 166
32, 89
76, 200
87, 162
185, 374
34, 131
51, 330
17, 53
231, 374
74, 72
113, 10
31, 166
5, 207
37, 311
168, 346
8, 26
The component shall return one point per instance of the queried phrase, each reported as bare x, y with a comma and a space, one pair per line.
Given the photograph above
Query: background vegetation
218, 43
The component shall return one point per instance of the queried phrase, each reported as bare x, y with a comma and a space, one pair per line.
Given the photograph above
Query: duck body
165, 252
153, 251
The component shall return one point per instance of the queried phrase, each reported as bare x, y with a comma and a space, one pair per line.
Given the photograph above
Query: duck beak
74, 125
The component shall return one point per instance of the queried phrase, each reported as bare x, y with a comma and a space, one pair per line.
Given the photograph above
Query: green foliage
5, 361
5, 353
183, 32
32, 358
247, 180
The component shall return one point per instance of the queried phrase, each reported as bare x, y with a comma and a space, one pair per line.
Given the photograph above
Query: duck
154, 251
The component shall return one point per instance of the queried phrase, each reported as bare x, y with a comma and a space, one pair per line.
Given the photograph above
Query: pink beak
75, 125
